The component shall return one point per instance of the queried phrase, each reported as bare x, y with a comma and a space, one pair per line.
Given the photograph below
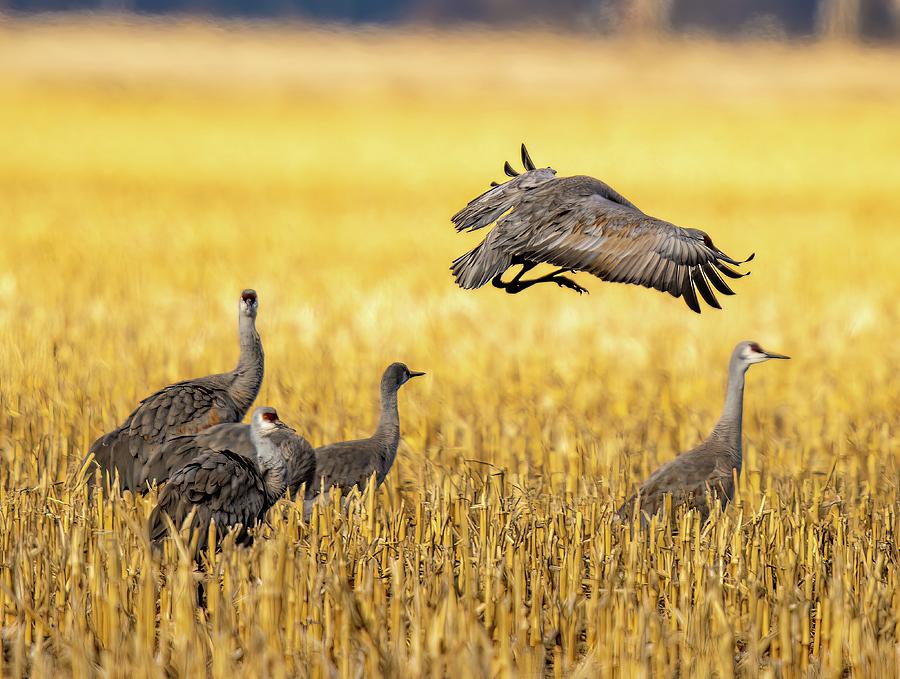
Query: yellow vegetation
149, 173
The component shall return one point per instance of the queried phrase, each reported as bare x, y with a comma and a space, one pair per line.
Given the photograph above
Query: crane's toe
564, 282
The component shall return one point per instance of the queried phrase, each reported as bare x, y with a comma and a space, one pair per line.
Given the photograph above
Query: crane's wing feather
621, 245
182, 408
133, 450
219, 486
493, 203
232, 437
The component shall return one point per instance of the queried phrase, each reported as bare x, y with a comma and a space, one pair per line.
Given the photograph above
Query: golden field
149, 172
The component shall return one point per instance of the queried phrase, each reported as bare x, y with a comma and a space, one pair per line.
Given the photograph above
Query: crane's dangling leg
516, 285
497, 281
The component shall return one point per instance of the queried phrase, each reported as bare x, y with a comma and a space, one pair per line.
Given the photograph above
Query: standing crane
710, 467
582, 224
183, 408
230, 489
351, 463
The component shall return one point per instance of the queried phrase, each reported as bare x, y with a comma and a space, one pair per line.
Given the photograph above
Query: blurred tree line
840, 19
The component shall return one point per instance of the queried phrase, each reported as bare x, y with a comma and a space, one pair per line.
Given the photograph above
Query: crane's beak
415, 373
772, 354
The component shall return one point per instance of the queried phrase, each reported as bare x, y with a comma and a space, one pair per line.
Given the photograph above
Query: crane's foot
517, 285
564, 282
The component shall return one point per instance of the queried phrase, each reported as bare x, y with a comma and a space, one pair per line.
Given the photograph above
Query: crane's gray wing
585, 231
342, 465
232, 437
219, 486
493, 203
184, 408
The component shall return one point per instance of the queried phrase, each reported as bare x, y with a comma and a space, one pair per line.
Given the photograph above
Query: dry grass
147, 174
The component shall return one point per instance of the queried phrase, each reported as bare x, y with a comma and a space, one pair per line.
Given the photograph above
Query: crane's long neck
248, 374
272, 466
388, 432
728, 429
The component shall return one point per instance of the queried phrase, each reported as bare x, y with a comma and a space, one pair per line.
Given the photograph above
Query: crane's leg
516, 285
497, 281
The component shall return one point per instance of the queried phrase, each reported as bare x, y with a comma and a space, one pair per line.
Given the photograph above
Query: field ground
150, 172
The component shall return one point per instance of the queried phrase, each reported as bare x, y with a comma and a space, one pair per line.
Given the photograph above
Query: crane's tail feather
475, 268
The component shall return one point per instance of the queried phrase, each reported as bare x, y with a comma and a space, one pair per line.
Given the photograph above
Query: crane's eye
270, 417
755, 347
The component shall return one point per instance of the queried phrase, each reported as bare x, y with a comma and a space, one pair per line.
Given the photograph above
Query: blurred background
869, 19
851, 19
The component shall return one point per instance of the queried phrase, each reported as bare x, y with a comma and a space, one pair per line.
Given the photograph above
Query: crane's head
263, 427
749, 352
265, 420
397, 374
249, 303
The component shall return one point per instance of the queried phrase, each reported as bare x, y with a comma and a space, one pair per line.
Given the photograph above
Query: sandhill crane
183, 408
582, 224
234, 437
351, 463
230, 489
708, 467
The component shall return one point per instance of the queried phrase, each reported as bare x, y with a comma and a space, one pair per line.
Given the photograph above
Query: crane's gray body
711, 467
186, 407
582, 224
352, 463
230, 488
